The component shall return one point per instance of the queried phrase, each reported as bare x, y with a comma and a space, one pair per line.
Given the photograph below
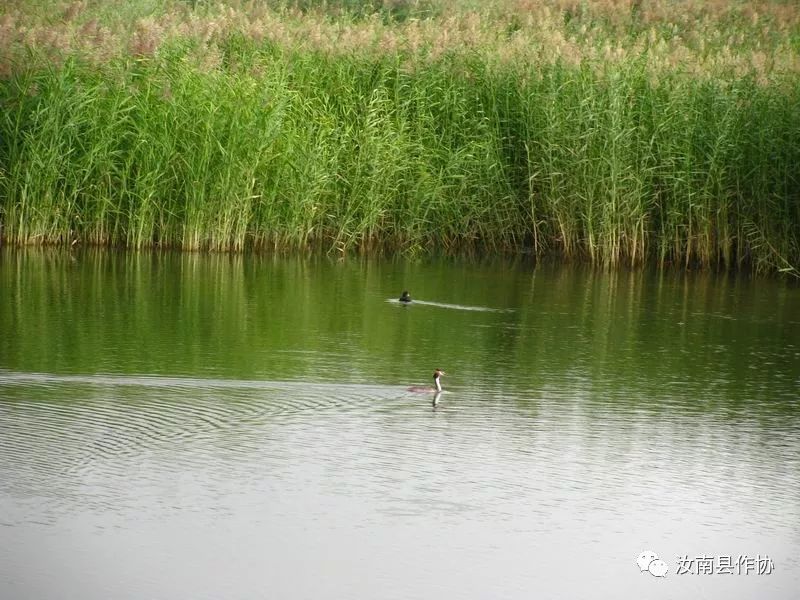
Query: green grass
246, 141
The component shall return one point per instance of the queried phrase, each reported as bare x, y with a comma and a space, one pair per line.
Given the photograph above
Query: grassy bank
658, 132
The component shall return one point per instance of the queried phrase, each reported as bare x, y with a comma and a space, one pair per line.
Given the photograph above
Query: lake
189, 426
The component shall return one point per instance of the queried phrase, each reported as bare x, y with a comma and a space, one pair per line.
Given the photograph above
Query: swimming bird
405, 297
426, 389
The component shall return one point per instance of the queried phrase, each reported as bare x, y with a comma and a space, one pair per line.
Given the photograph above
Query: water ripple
452, 306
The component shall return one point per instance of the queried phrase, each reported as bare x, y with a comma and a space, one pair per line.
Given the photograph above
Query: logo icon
649, 561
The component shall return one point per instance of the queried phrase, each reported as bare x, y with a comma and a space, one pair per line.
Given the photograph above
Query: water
190, 427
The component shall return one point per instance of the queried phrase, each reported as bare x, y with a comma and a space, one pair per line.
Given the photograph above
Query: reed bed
619, 132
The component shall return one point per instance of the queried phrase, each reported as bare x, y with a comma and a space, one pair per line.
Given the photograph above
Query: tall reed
239, 132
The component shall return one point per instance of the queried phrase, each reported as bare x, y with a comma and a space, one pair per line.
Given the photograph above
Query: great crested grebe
405, 297
426, 389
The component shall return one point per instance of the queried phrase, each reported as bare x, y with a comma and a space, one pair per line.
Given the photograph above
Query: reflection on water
206, 427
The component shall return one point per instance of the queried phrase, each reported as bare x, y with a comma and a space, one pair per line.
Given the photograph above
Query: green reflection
626, 338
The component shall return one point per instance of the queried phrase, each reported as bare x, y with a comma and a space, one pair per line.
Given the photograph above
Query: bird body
426, 389
405, 297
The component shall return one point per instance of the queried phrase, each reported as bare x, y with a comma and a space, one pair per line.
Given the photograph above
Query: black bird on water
405, 297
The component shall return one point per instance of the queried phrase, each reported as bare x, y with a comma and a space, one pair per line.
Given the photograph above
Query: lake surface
202, 427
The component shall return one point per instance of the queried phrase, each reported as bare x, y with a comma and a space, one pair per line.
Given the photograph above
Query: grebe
405, 297
426, 389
